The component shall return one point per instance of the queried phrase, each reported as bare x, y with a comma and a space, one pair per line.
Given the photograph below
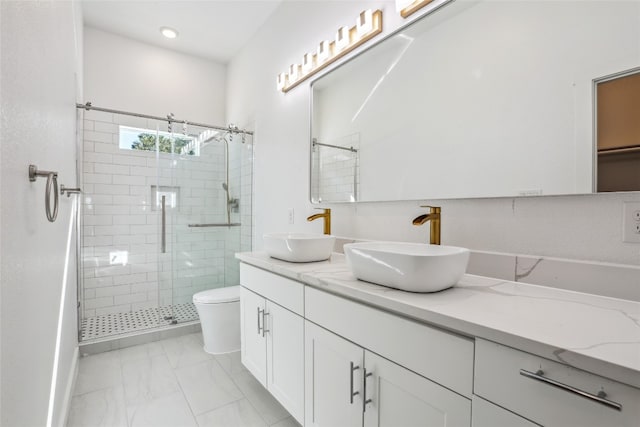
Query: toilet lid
219, 295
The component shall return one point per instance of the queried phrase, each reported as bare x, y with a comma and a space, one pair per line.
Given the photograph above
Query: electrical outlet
291, 216
631, 222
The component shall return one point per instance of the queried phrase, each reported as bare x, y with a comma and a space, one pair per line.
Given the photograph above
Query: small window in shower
146, 140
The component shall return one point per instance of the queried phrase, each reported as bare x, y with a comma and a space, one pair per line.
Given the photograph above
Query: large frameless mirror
482, 99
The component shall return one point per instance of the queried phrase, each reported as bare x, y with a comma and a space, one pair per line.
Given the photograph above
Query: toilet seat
218, 296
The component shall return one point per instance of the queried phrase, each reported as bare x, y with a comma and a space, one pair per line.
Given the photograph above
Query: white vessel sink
299, 247
413, 267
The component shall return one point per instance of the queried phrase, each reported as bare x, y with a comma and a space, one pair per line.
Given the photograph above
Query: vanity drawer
281, 290
501, 377
442, 357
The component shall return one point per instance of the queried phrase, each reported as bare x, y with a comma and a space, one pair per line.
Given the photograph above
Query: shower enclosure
165, 206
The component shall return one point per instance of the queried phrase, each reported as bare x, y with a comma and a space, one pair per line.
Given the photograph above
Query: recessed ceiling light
169, 33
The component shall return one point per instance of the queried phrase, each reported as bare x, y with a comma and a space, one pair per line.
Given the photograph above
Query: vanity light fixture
343, 38
307, 63
408, 7
282, 80
324, 51
169, 32
294, 72
368, 25
364, 24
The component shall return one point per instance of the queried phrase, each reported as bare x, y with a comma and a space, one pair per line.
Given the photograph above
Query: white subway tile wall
123, 267
336, 170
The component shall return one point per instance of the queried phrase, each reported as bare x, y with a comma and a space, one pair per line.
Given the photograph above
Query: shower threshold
107, 325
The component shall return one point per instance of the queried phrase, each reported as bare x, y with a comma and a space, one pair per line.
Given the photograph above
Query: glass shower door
165, 208
204, 230
123, 268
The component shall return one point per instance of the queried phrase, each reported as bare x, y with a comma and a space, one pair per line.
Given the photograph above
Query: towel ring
52, 185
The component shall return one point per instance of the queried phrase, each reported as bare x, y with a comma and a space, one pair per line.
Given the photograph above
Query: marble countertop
594, 333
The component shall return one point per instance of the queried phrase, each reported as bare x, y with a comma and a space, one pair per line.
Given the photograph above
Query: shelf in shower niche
224, 224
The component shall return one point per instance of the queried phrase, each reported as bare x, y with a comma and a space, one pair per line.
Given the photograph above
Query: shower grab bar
222, 224
164, 225
52, 185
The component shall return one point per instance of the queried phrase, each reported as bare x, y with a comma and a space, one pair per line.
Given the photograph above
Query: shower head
225, 187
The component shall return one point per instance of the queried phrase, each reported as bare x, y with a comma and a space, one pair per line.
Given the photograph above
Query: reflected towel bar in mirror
224, 224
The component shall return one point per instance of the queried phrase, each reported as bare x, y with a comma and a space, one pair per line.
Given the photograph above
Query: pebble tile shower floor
119, 323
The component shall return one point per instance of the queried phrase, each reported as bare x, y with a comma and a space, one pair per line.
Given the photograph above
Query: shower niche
165, 207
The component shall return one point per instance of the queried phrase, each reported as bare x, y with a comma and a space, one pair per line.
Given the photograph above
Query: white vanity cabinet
551, 393
407, 373
338, 338
347, 385
486, 414
333, 379
272, 335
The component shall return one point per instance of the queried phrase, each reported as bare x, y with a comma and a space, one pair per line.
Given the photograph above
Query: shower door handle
163, 244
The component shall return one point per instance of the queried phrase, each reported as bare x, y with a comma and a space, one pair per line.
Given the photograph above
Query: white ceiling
213, 29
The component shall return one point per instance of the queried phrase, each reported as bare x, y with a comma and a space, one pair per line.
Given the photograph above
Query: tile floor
171, 383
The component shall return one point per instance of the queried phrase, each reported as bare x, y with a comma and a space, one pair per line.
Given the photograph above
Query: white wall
128, 75
39, 63
585, 227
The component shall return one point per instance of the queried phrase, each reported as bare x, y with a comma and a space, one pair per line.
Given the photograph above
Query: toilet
219, 311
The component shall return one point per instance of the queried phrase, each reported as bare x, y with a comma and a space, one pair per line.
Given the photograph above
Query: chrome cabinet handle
164, 225
364, 391
352, 393
259, 327
599, 398
264, 329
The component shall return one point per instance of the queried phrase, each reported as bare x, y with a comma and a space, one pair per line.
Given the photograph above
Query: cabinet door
285, 358
252, 339
486, 414
400, 397
330, 381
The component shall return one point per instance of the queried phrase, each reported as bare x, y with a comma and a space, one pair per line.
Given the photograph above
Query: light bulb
364, 23
342, 38
294, 72
307, 63
324, 51
281, 81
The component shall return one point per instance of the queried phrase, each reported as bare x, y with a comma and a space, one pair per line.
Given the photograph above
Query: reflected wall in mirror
477, 99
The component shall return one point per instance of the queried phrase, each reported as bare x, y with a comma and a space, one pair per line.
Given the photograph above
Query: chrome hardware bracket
69, 191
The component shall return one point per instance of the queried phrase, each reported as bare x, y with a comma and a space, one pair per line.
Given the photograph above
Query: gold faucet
434, 217
326, 215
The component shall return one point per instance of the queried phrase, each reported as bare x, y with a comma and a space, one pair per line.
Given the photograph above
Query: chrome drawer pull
352, 393
600, 397
264, 325
364, 393
260, 328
